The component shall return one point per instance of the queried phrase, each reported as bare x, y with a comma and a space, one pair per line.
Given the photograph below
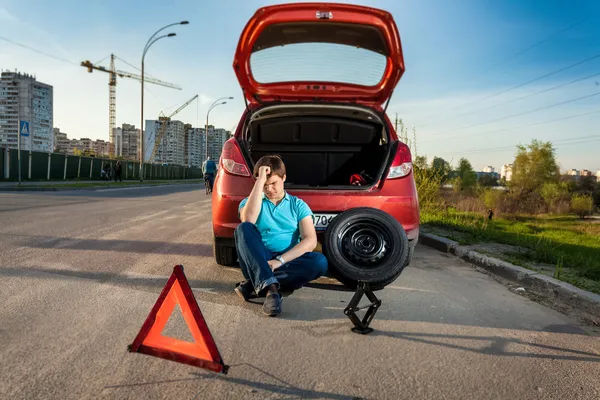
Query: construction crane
164, 122
112, 83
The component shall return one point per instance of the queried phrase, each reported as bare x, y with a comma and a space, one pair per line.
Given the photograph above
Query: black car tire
225, 255
366, 244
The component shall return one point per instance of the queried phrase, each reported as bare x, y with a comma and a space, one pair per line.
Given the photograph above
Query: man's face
273, 188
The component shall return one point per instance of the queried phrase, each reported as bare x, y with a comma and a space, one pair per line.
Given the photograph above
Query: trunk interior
321, 147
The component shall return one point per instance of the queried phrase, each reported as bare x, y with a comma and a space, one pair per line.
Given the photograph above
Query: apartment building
24, 98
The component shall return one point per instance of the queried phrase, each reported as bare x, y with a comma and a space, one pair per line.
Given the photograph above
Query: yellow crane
164, 122
112, 83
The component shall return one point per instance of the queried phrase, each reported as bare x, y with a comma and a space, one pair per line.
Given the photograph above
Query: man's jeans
254, 259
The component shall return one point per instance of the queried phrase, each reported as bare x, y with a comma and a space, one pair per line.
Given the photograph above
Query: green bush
493, 198
553, 194
428, 182
582, 205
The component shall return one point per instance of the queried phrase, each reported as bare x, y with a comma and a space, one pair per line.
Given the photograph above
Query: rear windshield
319, 52
321, 62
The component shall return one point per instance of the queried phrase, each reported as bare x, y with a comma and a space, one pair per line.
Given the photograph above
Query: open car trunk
321, 146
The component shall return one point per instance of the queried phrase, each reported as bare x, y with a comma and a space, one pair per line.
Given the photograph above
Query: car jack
362, 327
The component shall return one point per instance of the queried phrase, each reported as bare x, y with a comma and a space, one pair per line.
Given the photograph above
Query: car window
321, 62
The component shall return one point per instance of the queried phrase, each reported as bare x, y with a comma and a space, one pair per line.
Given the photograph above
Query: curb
539, 284
89, 188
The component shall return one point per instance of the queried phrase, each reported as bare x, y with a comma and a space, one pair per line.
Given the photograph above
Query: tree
466, 178
552, 193
442, 168
487, 180
493, 198
586, 184
420, 162
582, 205
596, 194
534, 165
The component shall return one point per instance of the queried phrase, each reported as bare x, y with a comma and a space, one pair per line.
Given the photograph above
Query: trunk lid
319, 51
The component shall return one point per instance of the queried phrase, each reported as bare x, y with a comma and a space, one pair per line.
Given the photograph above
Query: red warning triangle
202, 353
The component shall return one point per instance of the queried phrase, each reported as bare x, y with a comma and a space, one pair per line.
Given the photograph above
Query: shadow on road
281, 388
127, 246
302, 305
116, 191
497, 346
116, 279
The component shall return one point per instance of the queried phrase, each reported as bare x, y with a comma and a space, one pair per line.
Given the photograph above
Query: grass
571, 245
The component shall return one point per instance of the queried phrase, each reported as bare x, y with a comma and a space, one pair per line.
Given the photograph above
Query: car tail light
232, 159
402, 164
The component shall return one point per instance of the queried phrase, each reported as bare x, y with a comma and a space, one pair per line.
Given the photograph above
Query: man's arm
308, 241
251, 210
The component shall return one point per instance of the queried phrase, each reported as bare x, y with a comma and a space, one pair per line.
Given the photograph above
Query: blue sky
459, 55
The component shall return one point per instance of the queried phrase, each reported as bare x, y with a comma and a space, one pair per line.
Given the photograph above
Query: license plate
322, 221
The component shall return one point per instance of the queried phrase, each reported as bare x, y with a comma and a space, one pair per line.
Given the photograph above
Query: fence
37, 165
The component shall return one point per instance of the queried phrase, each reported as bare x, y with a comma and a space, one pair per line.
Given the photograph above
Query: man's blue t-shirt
279, 225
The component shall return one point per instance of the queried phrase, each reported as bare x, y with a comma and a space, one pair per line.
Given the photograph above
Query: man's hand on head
263, 172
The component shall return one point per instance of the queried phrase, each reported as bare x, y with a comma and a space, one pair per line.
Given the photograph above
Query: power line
529, 82
547, 39
536, 44
38, 51
529, 95
561, 142
540, 78
518, 127
523, 113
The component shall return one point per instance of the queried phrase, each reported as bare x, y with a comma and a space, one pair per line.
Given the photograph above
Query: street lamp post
213, 105
149, 43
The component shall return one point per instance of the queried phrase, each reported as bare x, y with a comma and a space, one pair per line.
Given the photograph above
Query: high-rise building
86, 144
126, 141
101, 148
194, 147
170, 148
131, 137
216, 139
506, 172
489, 169
116, 142
573, 172
61, 141
598, 175
23, 98
73, 145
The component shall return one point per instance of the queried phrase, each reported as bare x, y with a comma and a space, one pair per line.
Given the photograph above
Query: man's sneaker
272, 304
245, 290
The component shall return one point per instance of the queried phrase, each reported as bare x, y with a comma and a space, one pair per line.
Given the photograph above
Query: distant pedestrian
490, 214
118, 172
107, 169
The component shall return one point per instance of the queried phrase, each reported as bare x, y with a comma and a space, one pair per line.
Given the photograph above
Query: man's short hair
272, 161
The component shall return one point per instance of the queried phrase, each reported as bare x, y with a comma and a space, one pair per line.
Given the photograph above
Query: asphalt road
80, 271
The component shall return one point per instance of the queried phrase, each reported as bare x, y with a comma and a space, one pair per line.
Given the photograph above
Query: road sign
202, 353
24, 128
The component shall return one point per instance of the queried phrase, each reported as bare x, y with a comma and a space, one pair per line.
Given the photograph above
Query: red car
316, 79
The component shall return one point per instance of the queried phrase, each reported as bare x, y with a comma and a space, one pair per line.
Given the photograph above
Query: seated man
209, 168
276, 239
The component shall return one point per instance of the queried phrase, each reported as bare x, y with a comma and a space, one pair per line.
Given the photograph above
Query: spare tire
365, 244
